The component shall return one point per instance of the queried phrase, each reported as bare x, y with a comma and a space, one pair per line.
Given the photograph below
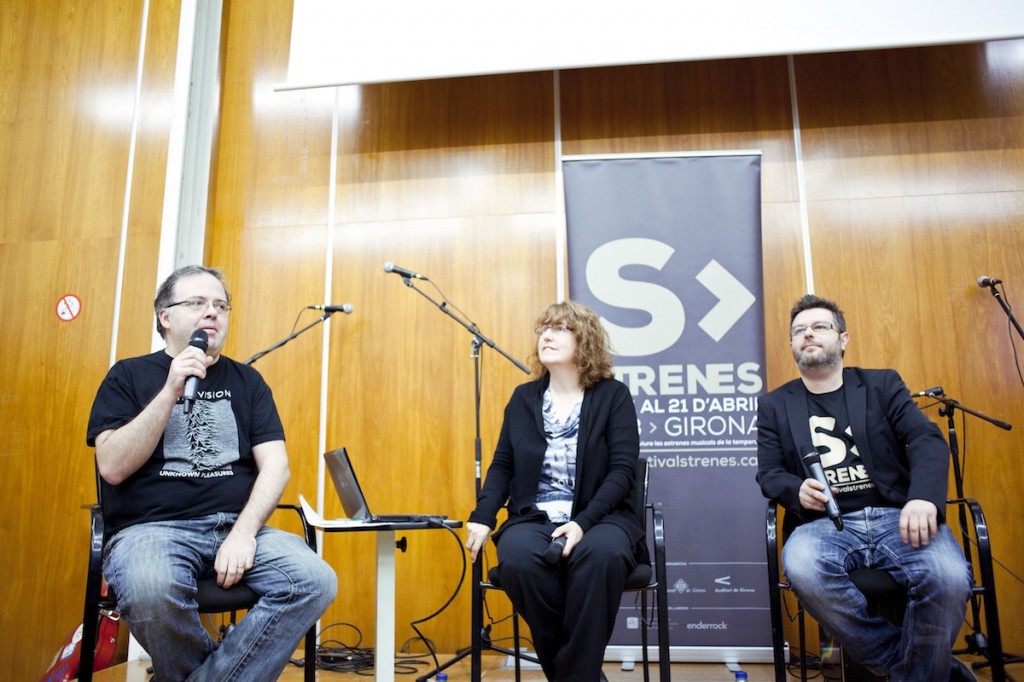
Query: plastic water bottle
741, 675
442, 677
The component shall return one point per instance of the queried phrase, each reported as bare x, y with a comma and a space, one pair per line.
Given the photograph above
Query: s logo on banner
668, 316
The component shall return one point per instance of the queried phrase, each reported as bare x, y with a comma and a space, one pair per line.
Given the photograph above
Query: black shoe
960, 672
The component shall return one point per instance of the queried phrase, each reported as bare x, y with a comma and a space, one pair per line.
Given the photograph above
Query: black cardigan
606, 455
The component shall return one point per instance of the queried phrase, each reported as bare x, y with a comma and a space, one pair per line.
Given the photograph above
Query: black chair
210, 597
885, 596
645, 579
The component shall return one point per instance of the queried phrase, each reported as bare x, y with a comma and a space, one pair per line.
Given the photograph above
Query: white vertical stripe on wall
128, 179
176, 148
560, 231
194, 111
798, 150
200, 125
325, 352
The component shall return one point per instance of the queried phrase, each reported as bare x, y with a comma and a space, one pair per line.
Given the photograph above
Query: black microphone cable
1009, 331
419, 635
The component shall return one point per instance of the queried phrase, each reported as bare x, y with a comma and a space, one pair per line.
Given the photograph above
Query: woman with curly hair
565, 465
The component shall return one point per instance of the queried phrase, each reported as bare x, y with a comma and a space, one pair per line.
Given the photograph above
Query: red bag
65, 663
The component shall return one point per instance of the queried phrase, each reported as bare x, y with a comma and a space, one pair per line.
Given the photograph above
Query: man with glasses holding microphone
187, 484
887, 467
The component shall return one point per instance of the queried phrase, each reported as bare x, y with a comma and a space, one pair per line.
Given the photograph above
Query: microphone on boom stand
933, 392
328, 311
990, 283
343, 308
406, 274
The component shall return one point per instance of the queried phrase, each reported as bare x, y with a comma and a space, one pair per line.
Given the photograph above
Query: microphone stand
289, 337
990, 647
1006, 309
476, 592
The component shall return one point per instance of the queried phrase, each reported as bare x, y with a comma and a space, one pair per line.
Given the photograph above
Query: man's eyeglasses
199, 304
817, 328
559, 328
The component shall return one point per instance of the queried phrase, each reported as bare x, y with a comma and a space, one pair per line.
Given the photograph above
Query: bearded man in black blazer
887, 466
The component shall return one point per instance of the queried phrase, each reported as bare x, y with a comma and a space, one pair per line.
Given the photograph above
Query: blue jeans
817, 559
153, 568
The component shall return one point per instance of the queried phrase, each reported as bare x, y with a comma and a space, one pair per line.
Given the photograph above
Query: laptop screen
344, 477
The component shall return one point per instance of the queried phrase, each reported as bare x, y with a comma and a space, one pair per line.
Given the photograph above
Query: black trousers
570, 606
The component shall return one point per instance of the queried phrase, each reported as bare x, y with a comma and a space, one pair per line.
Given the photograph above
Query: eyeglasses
559, 328
200, 304
817, 328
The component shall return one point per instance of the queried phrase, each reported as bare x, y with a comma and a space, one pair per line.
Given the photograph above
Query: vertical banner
667, 250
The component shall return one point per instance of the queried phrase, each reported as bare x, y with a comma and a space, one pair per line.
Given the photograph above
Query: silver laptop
353, 501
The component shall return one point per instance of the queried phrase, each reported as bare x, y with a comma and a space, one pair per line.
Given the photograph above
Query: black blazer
903, 451
607, 451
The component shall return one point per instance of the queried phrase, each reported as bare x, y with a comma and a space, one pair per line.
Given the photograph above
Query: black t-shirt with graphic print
203, 463
833, 438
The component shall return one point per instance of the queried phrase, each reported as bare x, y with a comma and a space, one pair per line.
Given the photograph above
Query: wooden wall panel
268, 221
497, 135
68, 82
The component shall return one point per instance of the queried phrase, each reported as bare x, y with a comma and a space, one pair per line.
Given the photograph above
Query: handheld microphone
985, 281
345, 308
553, 552
931, 392
200, 340
408, 274
813, 463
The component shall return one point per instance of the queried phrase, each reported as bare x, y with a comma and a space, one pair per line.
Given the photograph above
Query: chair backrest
640, 485
640, 490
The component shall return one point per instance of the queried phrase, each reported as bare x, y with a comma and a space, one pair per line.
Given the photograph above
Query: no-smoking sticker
68, 307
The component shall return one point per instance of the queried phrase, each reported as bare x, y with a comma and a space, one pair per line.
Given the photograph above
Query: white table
384, 660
